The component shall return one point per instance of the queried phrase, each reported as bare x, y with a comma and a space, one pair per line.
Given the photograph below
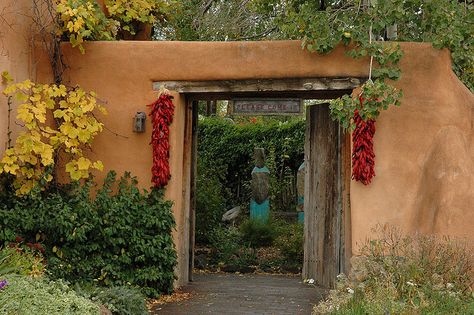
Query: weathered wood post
300, 192
260, 204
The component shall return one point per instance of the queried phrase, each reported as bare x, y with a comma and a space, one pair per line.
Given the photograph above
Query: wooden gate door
324, 232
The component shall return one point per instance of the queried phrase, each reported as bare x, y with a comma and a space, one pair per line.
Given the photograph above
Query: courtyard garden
224, 181
75, 239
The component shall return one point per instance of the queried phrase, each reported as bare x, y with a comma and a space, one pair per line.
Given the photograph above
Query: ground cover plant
398, 274
26, 295
25, 289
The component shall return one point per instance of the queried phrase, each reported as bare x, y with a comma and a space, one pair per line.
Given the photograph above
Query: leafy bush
210, 202
290, 242
405, 275
25, 295
226, 242
118, 238
123, 300
257, 233
20, 261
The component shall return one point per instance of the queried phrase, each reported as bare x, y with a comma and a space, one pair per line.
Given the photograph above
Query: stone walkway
231, 294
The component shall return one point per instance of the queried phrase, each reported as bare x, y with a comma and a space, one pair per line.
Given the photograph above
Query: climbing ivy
361, 25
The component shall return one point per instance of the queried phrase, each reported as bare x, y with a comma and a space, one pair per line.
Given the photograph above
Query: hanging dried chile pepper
162, 111
363, 156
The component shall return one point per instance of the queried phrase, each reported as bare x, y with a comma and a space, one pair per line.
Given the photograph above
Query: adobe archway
418, 178
327, 233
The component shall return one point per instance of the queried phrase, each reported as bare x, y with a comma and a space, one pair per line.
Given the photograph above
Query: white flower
449, 285
311, 281
349, 290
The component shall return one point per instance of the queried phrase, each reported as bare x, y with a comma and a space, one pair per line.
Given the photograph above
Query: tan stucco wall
15, 52
424, 149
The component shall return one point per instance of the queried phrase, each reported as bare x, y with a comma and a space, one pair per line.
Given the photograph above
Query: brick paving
232, 294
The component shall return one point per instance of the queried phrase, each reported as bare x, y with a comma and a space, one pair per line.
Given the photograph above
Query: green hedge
121, 237
225, 163
226, 150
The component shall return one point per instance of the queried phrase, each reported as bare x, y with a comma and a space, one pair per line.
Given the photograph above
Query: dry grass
403, 274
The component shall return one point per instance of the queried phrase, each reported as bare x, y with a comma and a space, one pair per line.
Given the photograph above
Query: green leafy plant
290, 242
360, 25
121, 300
226, 241
210, 202
22, 261
257, 233
26, 295
122, 237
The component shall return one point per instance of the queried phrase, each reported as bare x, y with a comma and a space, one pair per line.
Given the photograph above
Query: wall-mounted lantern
139, 122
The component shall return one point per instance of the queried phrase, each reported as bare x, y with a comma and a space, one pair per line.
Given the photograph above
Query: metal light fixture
139, 122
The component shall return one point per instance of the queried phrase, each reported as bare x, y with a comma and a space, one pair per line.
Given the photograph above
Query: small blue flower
3, 283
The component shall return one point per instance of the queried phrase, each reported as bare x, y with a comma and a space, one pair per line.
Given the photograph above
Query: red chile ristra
363, 157
162, 111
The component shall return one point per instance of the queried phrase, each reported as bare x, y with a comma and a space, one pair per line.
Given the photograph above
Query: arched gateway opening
327, 229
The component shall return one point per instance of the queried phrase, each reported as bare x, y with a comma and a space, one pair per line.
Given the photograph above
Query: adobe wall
15, 53
424, 149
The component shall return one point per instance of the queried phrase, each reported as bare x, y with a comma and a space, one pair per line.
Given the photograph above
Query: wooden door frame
327, 241
309, 88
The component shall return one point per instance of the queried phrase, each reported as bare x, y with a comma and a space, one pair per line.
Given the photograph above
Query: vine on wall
60, 120
362, 27
34, 155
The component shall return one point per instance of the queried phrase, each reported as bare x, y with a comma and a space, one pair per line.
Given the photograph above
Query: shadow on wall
448, 164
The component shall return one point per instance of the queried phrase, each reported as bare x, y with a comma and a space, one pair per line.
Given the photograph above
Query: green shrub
210, 202
226, 241
119, 300
257, 233
40, 296
290, 242
17, 260
122, 237
405, 275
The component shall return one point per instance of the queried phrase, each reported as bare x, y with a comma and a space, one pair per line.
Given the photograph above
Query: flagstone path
233, 294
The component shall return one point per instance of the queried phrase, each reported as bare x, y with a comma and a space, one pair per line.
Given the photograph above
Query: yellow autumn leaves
56, 120
81, 20
128, 11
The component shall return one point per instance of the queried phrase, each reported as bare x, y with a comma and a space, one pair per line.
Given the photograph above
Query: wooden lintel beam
261, 85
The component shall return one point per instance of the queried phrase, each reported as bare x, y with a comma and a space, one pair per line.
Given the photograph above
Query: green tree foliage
122, 237
445, 23
218, 20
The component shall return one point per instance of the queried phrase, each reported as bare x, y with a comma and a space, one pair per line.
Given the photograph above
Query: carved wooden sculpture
260, 204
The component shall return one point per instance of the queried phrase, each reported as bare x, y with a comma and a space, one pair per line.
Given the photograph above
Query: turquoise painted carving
260, 205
